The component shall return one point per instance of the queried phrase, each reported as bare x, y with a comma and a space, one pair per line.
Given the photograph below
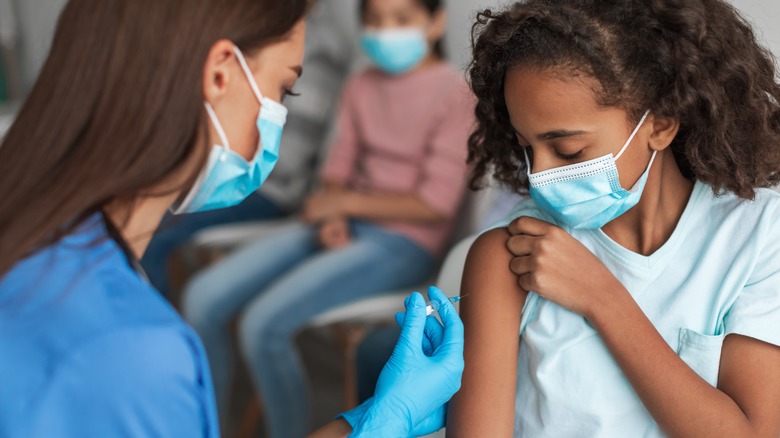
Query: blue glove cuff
355, 416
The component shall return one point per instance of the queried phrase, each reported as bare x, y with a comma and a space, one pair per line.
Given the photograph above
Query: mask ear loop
248, 73
217, 125
633, 134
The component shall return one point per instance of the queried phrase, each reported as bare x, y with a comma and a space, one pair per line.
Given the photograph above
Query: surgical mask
395, 51
588, 195
228, 178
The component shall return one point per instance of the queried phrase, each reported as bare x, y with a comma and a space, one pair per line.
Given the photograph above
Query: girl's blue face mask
228, 178
587, 195
395, 51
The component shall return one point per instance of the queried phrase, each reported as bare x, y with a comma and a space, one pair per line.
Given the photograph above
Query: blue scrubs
89, 349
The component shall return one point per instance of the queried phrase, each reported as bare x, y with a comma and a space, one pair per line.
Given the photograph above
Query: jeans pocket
701, 353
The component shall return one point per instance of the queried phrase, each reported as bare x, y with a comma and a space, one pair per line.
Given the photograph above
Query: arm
746, 402
485, 405
443, 175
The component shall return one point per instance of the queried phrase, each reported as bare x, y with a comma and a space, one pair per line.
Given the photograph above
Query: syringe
433, 306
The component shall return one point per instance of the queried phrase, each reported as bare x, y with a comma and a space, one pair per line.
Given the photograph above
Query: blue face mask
228, 178
588, 195
395, 51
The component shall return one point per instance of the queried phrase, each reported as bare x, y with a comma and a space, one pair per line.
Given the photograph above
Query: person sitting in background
328, 58
391, 188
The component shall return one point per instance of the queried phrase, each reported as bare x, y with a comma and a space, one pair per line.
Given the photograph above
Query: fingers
413, 328
453, 327
433, 332
522, 244
529, 226
522, 265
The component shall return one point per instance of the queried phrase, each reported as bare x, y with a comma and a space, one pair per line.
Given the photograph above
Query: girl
392, 185
645, 270
143, 106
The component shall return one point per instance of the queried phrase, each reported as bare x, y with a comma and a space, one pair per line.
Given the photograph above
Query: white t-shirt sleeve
756, 311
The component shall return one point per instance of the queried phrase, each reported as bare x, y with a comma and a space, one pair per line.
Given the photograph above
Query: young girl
644, 278
392, 185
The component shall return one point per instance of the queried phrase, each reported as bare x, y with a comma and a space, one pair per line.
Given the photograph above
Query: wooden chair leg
349, 338
250, 419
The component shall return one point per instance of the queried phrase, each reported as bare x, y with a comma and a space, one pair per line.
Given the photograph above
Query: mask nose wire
248, 73
633, 134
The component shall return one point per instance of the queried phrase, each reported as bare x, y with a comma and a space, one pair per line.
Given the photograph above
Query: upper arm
130, 383
343, 150
445, 169
750, 359
750, 375
485, 405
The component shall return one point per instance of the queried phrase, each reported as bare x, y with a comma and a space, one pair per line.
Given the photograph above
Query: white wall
765, 15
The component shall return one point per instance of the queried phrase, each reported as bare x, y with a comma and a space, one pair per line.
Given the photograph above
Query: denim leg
216, 295
376, 261
175, 231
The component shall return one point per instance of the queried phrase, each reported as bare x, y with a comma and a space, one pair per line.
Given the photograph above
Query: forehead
542, 98
389, 6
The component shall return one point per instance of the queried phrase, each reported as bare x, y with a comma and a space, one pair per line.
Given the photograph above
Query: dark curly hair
694, 60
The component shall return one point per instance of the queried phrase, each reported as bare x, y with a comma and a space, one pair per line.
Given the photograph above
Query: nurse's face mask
228, 178
587, 195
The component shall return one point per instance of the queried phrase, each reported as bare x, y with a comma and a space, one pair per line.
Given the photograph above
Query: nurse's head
401, 35
118, 112
570, 81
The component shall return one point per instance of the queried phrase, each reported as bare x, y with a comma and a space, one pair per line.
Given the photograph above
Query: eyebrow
559, 133
298, 70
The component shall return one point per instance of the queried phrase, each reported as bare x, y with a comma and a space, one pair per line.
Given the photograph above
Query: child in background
645, 270
391, 188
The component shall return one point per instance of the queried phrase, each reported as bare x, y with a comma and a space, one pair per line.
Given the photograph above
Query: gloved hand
421, 376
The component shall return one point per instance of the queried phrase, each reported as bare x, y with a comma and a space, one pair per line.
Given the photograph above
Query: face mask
395, 51
587, 196
228, 178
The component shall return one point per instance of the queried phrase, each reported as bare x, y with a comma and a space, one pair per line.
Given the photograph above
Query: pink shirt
406, 135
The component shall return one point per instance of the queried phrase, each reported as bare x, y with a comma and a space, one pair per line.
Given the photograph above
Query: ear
438, 25
664, 131
216, 71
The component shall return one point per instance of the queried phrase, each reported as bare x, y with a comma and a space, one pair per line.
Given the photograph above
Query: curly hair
694, 60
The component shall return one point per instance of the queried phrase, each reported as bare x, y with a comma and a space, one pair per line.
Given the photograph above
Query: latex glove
414, 387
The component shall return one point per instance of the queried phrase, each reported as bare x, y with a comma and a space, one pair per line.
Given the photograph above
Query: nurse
145, 106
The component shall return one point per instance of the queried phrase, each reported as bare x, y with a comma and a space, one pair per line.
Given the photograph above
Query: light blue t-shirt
718, 274
89, 349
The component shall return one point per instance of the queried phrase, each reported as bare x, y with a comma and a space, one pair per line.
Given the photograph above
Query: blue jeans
175, 231
275, 287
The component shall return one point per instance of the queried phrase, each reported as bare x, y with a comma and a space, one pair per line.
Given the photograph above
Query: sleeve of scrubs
140, 382
756, 311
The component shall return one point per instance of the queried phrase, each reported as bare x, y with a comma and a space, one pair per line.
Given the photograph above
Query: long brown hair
117, 108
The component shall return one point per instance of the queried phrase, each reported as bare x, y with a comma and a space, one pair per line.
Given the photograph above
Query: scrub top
718, 274
89, 349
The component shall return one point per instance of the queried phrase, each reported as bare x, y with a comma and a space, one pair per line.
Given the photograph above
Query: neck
647, 226
137, 223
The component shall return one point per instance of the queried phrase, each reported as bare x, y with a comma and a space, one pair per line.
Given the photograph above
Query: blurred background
342, 349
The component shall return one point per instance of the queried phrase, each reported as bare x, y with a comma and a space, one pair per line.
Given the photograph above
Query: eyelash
570, 157
291, 93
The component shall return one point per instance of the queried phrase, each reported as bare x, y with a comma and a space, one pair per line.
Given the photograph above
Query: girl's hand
334, 233
550, 262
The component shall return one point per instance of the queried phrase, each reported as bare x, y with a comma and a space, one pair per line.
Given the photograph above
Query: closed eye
569, 157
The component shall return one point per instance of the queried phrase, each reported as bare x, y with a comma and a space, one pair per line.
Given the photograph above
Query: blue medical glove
415, 384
